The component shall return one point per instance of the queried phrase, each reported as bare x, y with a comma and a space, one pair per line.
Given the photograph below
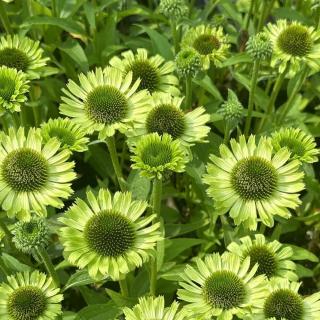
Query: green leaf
237, 58
303, 254
174, 230
120, 300
139, 186
13, 264
80, 278
207, 84
303, 272
106, 311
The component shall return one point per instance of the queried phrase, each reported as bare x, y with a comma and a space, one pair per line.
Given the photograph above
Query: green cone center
26, 303
14, 58
224, 290
157, 154
262, 255
25, 170
106, 104
109, 234
284, 304
7, 87
254, 178
206, 44
166, 119
295, 40
148, 74
65, 136
295, 146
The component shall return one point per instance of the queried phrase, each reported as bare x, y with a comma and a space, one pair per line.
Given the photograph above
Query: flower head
13, 89
32, 175
294, 43
173, 9
272, 257
165, 116
156, 155
284, 302
209, 42
301, 145
150, 308
23, 54
69, 133
31, 235
259, 46
249, 180
222, 286
30, 296
155, 74
188, 62
105, 101
108, 235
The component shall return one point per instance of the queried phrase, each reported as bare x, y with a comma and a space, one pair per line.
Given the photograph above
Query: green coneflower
222, 287
30, 296
28, 236
209, 42
283, 302
13, 89
249, 180
259, 46
188, 62
272, 257
70, 134
107, 235
32, 175
150, 308
155, 74
294, 43
23, 54
301, 145
105, 101
156, 155
165, 116
173, 9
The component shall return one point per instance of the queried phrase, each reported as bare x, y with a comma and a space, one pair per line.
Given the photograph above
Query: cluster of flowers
109, 235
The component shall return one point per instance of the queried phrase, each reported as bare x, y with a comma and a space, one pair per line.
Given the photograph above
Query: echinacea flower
259, 46
13, 89
165, 116
301, 145
156, 155
28, 236
283, 302
221, 287
154, 72
30, 296
294, 43
32, 175
150, 308
23, 54
173, 9
209, 42
249, 180
108, 235
69, 133
188, 62
105, 101
273, 258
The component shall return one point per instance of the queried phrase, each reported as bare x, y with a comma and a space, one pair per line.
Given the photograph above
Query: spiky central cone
109, 234
106, 104
157, 154
14, 58
295, 40
7, 87
166, 119
284, 304
26, 303
148, 74
25, 170
295, 146
206, 44
63, 135
224, 290
262, 255
254, 178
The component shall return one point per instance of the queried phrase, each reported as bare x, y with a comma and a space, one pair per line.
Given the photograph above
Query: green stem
115, 162
124, 287
226, 132
156, 204
174, 32
262, 15
249, 14
188, 101
6, 231
4, 19
49, 266
36, 115
294, 92
253, 86
4, 123
275, 91
54, 7
4, 268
